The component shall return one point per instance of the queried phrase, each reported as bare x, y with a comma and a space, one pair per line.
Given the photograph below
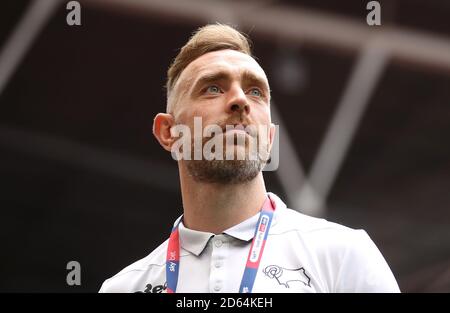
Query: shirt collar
195, 241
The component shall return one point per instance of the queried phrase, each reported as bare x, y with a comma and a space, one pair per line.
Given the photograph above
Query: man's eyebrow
210, 78
252, 78
248, 77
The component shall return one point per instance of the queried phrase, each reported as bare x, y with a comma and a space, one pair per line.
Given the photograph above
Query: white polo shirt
302, 254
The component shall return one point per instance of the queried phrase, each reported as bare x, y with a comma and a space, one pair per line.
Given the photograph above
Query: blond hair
206, 39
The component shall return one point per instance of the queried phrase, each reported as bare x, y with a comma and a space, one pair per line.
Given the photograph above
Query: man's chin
224, 171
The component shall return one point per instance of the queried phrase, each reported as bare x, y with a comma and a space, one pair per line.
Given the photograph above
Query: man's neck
216, 207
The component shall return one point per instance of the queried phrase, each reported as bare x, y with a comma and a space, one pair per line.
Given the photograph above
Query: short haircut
213, 37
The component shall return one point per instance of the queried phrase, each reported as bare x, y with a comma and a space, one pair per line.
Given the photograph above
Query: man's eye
213, 89
256, 92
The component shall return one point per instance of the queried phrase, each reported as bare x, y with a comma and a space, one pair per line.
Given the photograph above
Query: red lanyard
253, 259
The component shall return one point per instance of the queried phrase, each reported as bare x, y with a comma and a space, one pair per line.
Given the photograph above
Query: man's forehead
228, 60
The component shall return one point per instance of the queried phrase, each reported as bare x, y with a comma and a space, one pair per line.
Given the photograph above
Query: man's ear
161, 129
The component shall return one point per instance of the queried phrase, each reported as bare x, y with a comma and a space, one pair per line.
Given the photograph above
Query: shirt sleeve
104, 288
363, 268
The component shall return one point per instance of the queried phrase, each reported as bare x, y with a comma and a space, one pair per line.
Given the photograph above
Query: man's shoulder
319, 232
349, 259
124, 280
288, 220
291, 220
156, 258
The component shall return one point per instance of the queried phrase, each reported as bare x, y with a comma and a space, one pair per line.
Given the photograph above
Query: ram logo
285, 276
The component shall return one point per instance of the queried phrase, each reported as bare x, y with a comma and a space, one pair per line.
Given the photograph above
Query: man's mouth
239, 129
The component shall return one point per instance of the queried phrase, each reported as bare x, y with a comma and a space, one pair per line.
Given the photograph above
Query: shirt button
218, 264
218, 243
217, 288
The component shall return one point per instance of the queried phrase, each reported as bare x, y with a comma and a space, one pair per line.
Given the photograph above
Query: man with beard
234, 236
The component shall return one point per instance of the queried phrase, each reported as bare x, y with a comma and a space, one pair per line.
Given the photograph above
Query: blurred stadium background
364, 116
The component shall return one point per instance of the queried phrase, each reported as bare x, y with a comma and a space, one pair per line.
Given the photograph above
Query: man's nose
237, 102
